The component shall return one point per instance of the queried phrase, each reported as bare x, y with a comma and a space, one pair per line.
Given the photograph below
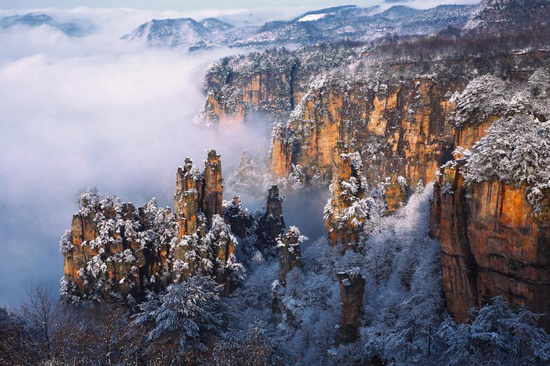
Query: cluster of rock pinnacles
199, 212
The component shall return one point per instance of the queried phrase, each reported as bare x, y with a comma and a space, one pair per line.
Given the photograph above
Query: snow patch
312, 17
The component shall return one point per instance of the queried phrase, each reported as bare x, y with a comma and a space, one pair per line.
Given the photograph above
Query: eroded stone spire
212, 202
290, 254
272, 224
344, 214
352, 289
116, 252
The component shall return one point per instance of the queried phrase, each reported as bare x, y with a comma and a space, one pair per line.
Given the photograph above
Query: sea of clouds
93, 111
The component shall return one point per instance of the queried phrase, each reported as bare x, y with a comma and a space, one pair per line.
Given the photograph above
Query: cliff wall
399, 130
266, 84
491, 204
492, 244
404, 120
394, 113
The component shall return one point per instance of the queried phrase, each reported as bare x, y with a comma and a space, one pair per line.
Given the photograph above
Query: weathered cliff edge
396, 116
491, 245
393, 113
265, 84
491, 204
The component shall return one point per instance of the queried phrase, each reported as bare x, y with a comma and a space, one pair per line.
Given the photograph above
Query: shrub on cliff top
516, 150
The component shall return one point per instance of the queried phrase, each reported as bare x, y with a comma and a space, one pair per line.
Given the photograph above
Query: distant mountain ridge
176, 32
509, 15
323, 25
37, 20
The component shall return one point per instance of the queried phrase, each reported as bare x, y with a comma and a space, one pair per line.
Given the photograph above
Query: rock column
352, 288
212, 203
344, 215
290, 255
272, 224
189, 186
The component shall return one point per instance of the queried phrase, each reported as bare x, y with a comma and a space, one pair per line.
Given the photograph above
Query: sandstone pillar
290, 255
352, 288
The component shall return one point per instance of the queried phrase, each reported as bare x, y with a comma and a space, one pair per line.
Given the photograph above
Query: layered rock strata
265, 84
114, 250
491, 245
405, 118
491, 205
399, 130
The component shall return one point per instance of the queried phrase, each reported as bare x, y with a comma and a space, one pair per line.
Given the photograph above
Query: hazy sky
174, 4
191, 5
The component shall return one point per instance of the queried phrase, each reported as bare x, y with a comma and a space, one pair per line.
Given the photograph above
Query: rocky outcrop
344, 216
237, 218
398, 130
206, 245
223, 243
491, 204
272, 223
189, 184
290, 257
235, 94
115, 252
265, 84
212, 203
290, 254
397, 120
352, 289
491, 245
396, 115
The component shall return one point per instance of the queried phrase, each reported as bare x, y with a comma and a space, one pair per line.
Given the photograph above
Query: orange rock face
401, 132
113, 250
343, 223
491, 245
281, 165
268, 84
204, 242
491, 242
104, 249
235, 96
212, 203
187, 200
